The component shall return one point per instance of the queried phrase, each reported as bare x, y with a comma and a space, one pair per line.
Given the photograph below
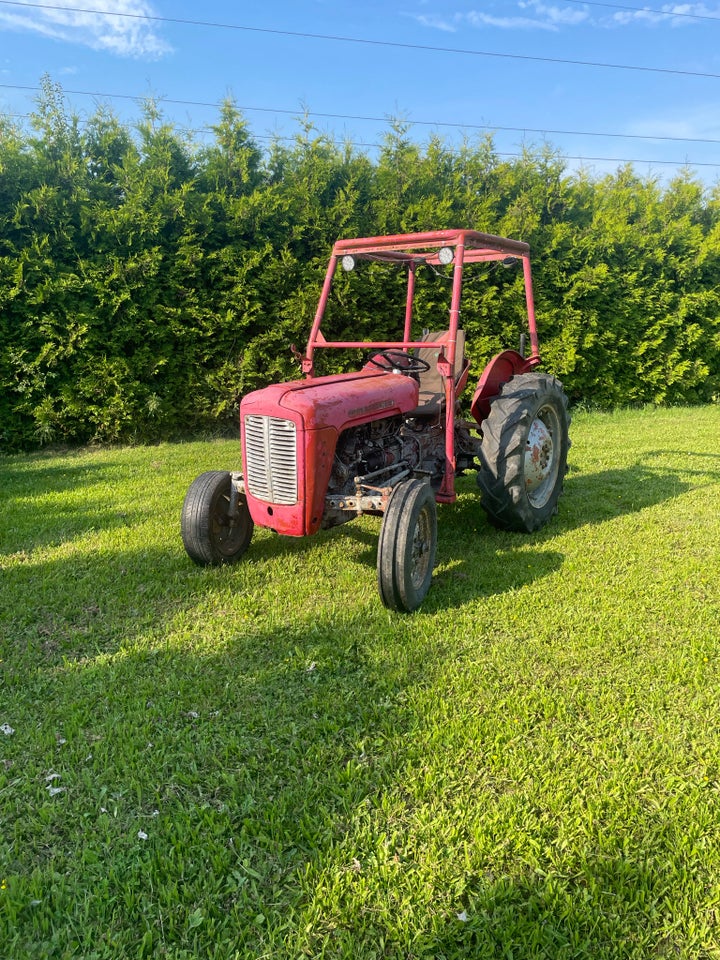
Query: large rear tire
406, 548
524, 452
210, 535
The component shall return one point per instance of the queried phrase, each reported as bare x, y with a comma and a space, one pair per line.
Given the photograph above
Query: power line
231, 26
657, 13
337, 38
274, 138
349, 116
501, 153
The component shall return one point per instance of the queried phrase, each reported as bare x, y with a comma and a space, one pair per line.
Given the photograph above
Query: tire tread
196, 520
501, 475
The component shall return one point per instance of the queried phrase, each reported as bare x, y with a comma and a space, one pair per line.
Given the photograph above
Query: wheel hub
420, 549
538, 456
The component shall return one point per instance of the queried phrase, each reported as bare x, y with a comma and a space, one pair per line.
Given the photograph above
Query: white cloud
477, 19
644, 16
437, 23
543, 15
126, 36
557, 16
529, 15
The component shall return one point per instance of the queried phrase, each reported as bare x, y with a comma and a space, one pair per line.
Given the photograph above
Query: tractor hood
336, 401
295, 429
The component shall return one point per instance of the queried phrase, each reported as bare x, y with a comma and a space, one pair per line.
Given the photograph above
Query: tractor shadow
591, 498
267, 545
476, 560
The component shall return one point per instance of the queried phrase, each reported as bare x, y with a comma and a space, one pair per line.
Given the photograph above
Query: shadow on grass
474, 560
268, 778
602, 911
273, 753
65, 611
53, 471
256, 757
596, 497
86, 601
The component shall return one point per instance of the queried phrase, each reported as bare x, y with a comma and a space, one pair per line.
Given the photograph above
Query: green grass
261, 761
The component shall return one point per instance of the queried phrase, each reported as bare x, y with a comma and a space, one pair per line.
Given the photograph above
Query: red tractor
388, 439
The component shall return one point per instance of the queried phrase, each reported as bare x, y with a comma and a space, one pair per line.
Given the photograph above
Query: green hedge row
146, 282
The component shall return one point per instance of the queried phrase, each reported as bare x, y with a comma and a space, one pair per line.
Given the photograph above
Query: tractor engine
365, 449
416, 442
372, 449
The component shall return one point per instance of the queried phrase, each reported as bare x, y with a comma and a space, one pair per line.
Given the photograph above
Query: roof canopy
424, 247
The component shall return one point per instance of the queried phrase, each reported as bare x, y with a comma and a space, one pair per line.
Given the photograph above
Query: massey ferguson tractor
389, 439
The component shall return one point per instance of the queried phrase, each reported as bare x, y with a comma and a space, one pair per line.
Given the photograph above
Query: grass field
261, 761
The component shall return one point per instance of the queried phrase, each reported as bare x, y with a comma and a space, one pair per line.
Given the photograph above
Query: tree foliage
146, 282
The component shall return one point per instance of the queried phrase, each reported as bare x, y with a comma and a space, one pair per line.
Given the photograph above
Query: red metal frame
469, 246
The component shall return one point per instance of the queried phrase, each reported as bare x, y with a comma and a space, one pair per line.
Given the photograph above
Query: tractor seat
431, 399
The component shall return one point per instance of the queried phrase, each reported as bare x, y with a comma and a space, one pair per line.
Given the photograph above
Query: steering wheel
399, 360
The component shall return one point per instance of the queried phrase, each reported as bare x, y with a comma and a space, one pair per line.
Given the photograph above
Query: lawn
260, 761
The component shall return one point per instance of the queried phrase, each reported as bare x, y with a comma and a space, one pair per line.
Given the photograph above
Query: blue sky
511, 78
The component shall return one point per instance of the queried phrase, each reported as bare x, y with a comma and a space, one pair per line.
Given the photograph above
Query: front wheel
213, 533
524, 452
406, 548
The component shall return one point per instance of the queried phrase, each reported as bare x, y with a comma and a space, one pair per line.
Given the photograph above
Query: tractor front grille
271, 459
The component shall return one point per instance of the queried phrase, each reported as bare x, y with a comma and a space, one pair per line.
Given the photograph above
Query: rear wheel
210, 534
524, 452
406, 548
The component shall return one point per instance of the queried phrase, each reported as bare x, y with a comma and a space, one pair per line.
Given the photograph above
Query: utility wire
140, 16
349, 116
275, 138
654, 12
368, 42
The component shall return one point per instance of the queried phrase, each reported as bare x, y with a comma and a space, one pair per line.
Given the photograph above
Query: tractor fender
499, 370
